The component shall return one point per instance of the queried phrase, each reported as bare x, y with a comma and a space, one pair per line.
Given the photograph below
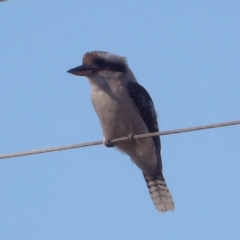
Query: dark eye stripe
115, 67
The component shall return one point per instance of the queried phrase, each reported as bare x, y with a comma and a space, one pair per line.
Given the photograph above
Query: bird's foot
131, 139
108, 143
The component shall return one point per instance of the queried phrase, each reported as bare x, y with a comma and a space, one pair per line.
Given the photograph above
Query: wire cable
176, 131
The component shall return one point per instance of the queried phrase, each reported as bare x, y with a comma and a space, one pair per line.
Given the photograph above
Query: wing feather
146, 109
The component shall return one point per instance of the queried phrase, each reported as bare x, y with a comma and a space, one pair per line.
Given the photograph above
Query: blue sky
185, 53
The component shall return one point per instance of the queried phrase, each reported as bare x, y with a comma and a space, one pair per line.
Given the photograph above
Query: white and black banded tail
159, 192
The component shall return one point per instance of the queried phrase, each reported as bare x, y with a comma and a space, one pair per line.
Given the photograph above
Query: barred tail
159, 192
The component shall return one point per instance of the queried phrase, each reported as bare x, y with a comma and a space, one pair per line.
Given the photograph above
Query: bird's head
101, 64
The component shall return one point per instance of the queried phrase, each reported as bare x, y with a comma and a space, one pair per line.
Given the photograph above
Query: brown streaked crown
89, 57
105, 61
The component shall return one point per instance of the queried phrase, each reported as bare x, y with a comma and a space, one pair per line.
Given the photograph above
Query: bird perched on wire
125, 108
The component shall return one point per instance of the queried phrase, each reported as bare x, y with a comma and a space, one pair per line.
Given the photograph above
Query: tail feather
159, 192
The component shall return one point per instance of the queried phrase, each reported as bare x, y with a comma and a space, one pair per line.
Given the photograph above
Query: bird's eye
94, 66
100, 63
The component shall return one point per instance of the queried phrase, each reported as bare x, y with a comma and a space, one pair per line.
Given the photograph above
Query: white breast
119, 117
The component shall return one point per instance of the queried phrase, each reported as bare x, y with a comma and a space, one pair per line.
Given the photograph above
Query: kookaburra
125, 108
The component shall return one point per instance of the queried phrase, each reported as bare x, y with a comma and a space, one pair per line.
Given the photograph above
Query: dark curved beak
80, 70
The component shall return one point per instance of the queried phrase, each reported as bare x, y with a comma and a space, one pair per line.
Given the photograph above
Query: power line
182, 130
